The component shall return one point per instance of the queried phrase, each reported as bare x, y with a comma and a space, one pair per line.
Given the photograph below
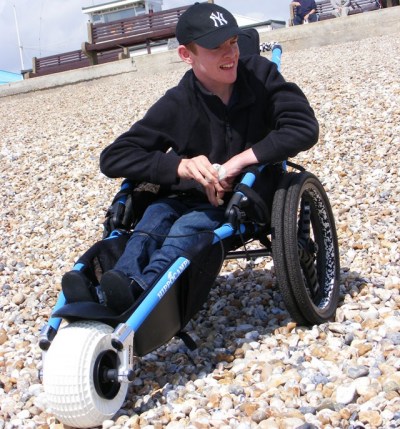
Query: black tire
278, 249
311, 249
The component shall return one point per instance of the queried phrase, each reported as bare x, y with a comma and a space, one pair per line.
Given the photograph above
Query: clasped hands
202, 171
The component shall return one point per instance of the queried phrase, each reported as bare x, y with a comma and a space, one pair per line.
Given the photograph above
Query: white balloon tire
68, 379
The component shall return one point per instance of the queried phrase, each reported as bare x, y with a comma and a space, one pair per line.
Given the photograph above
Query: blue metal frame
276, 55
178, 267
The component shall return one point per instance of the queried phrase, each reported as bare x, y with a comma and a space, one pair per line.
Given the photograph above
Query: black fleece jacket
265, 112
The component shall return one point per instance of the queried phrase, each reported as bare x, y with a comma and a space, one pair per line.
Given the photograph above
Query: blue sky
48, 27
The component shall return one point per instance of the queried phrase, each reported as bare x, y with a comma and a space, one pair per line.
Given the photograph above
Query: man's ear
185, 54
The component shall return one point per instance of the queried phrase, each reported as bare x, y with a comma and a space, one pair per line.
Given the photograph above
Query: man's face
216, 66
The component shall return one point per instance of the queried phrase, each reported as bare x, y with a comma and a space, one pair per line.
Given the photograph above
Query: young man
305, 11
224, 111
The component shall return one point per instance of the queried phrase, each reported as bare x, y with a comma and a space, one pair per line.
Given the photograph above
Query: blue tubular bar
248, 179
276, 55
126, 184
157, 292
115, 234
78, 267
276, 58
55, 322
225, 231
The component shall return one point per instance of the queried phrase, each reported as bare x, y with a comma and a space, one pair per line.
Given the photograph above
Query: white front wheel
78, 392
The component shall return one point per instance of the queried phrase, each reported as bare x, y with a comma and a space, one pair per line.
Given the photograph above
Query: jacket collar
242, 95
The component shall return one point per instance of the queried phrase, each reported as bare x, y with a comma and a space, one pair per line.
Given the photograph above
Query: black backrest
249, 42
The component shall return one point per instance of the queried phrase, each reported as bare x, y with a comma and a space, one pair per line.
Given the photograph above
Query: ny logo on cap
218, 19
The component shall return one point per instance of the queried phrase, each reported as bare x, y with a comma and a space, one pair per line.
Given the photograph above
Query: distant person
305, 11
340, 7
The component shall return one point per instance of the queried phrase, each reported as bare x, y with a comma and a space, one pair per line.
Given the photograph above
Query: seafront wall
328, 32
339, 30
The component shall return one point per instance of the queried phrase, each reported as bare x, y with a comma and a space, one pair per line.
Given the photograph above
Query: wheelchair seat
310, 277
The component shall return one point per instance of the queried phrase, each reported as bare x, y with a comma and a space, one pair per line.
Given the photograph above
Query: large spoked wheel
78, 391
305, 249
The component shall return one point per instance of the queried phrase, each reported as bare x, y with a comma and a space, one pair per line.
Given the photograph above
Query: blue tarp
7, 77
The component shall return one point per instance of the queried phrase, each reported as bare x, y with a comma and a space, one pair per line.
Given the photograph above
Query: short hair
192, 47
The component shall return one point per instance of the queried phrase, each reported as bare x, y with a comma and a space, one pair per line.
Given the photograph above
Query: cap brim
218, 37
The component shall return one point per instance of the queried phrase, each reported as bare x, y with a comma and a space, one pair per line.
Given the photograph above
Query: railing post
92, 56
124, 54
34, 63
291, 12
90, 32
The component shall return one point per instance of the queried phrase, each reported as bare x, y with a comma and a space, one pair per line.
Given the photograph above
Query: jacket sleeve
290, 118
144, 152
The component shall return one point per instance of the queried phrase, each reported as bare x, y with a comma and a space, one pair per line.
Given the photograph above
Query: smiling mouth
227, 66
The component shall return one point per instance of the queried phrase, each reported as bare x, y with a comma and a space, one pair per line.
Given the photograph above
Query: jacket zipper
228, 138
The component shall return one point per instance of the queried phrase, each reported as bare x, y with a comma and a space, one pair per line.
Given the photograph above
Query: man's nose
231, 49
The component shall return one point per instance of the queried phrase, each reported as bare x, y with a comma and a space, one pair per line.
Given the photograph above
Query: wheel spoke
307, 249
307, 262
304, 223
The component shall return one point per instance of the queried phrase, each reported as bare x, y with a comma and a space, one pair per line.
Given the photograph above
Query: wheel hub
105, 374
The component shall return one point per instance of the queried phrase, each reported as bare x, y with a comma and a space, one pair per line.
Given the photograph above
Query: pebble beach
254, 367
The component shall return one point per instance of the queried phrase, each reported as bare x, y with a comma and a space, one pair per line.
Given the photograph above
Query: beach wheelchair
90, 353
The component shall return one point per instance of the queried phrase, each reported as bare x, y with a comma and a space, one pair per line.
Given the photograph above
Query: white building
120, 9
271, 24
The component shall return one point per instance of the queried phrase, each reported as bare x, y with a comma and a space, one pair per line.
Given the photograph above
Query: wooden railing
69, 61
139, 30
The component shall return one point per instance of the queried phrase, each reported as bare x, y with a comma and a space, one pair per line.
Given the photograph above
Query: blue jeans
169, 228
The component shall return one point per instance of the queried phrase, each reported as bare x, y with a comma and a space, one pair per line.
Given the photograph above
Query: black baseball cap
206, 24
